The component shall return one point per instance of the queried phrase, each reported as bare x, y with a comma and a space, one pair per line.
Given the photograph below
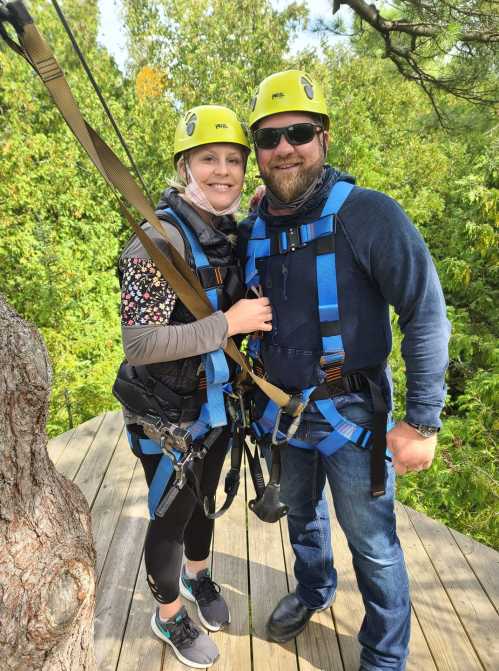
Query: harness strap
378, 452
321, 234
215, 363
165, 467
232, 478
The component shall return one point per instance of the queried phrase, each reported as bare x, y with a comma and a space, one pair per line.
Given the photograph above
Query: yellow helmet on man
288, 91
206, 124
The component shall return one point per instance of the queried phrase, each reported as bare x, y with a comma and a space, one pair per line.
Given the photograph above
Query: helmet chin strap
197, 196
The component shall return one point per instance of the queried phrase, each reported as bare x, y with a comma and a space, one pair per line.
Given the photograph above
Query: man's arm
398, 260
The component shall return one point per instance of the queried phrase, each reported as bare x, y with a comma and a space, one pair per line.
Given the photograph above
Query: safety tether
173, 267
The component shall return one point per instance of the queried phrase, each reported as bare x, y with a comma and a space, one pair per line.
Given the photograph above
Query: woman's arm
147, 303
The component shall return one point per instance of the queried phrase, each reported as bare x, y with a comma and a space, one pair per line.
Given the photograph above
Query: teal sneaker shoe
191, 646
212, 609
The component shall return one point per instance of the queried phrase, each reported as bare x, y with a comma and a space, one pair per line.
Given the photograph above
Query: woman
164, 346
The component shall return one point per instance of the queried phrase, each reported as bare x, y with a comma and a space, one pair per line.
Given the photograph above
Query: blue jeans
369, 526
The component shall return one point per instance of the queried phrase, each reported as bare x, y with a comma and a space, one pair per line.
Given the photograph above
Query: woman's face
219, 171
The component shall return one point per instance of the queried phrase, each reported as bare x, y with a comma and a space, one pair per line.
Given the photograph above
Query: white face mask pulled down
198, 197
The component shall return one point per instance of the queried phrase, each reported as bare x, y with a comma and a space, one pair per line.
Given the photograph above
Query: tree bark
47, 558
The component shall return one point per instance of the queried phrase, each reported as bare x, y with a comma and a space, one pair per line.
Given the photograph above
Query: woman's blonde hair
179, 182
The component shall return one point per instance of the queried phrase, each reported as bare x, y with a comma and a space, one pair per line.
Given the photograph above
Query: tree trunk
47, 559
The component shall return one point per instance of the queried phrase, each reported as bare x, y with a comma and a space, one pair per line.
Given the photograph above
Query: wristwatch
423, 430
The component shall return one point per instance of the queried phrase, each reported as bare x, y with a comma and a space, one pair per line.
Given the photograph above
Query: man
332, 257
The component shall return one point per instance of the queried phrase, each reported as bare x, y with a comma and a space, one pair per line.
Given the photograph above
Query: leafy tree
59, 223
448, 46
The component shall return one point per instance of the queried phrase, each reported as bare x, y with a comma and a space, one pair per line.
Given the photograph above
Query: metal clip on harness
182, 465
172, 435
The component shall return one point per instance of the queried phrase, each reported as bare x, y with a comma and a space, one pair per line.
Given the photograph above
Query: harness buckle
293, 238
292, 242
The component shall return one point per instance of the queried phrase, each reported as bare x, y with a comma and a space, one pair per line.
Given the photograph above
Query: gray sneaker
190, 645
212, 609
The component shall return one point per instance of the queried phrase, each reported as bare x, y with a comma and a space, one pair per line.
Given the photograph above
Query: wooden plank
76, 450
142, 650
349, 611
109, 501
268, 584
477, 615
485, 563
420, 658
317, 646
119, 575
57, 445
94, 466
230, 570
443, 631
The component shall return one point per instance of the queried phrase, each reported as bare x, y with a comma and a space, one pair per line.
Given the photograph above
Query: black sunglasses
297, 133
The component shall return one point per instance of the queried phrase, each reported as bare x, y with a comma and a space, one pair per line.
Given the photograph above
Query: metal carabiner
167, 450
295, 403
273, 438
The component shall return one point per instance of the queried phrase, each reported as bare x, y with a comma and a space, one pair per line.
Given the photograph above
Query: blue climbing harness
319, 237
213, 413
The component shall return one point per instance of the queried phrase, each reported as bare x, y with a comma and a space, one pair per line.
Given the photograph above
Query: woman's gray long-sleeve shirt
147, 303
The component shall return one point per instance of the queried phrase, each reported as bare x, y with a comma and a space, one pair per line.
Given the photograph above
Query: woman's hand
249, 315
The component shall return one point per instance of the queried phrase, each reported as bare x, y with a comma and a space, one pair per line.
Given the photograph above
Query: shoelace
206, 590
184, 631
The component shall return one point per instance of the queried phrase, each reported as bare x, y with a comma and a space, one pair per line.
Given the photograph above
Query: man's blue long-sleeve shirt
382, 260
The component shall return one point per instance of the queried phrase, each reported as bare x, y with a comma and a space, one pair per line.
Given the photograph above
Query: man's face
288, 170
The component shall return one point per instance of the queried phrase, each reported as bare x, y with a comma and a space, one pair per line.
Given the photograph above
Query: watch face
427, 431
423, 430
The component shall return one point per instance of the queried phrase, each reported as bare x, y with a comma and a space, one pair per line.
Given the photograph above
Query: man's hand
411, 452
257, 197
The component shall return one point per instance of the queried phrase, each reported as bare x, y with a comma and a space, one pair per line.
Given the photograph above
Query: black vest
175, 384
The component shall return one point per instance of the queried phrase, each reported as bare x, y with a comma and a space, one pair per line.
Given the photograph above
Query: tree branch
423, 39
371, 14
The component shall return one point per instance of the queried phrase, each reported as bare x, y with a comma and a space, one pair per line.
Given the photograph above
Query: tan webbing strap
174, 269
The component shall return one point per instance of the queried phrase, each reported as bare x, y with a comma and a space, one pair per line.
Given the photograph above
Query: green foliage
60, 228
61, 232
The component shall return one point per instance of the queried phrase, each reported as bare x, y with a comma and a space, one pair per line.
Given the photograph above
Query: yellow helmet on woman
206, 124
288, 91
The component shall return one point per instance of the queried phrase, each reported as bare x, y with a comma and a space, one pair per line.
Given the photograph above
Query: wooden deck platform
455, 580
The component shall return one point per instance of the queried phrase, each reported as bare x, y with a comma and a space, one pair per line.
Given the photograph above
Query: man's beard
290, 186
